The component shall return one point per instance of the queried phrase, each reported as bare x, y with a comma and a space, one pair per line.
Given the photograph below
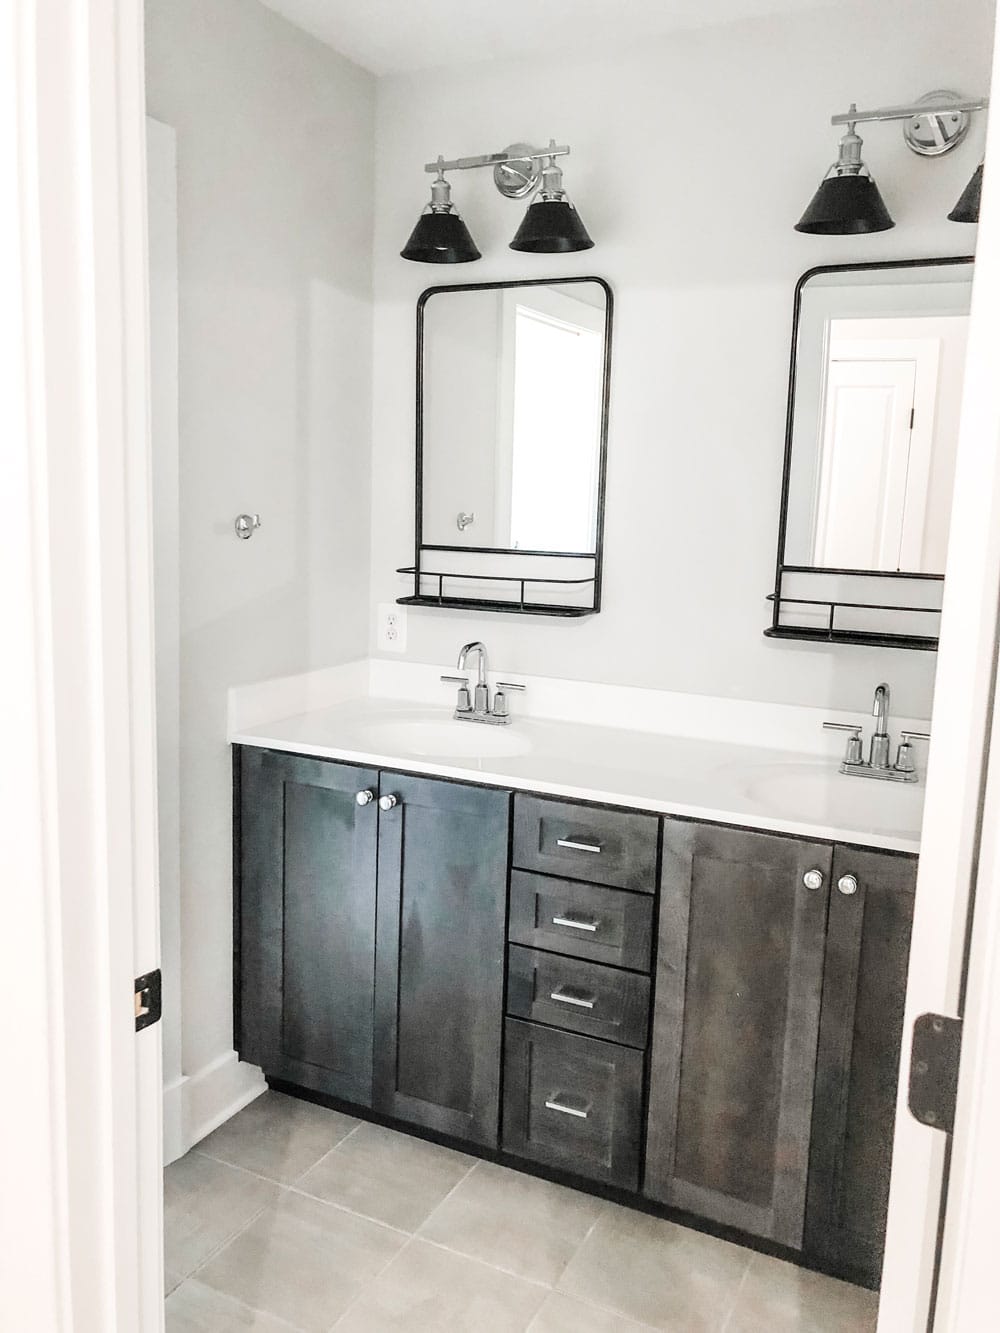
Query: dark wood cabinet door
306, 924
735, 1026
861, 1030
442, 891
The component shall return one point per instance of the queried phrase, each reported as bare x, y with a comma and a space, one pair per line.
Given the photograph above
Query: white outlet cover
391, 627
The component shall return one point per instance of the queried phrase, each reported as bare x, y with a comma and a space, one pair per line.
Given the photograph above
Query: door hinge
934, 1057
148, 999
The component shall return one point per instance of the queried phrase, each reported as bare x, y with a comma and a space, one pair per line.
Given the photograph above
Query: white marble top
773, 789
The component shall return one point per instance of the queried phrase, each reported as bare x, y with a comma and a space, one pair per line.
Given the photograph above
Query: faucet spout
481, 697
879, 753
480, 650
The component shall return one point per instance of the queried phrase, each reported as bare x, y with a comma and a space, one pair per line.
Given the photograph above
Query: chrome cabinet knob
365, 797
813, 879
387, 802
848, 884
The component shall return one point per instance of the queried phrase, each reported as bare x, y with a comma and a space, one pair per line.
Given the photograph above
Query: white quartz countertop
720, 781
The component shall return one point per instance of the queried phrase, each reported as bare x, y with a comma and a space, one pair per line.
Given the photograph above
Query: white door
863, 465
953, 856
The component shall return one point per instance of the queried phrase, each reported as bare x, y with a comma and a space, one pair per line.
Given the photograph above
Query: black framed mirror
874, 396
512, 402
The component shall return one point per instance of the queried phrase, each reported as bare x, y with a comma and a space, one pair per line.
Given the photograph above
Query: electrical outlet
391, 627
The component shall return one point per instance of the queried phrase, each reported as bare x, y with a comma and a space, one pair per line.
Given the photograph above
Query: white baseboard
195, 1104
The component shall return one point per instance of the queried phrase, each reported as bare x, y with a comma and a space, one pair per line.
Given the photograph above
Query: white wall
274, 154
692, 159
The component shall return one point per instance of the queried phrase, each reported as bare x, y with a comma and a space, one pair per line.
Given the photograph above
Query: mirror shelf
513, 382
877, 362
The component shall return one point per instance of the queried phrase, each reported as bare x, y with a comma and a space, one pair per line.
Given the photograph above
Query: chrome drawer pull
553, 1105
575, 923
574, 846
564, 998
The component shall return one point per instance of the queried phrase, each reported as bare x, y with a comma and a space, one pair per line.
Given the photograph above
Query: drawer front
581, 997
601, 846
582, 920
573, 1102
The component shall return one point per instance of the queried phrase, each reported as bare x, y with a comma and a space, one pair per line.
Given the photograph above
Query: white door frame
963, 703
81, 1246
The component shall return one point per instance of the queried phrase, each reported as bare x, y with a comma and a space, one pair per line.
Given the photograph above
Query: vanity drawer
573, 1102
602, 846
582, 920
583, 997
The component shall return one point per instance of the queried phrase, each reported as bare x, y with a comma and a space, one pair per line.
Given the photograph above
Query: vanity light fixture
440, 236
550, 226
967, 208
848, 201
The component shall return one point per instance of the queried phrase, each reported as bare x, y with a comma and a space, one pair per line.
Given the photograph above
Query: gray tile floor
294, 1217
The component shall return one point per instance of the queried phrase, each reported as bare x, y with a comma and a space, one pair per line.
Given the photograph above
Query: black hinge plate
934, 1057
148, 999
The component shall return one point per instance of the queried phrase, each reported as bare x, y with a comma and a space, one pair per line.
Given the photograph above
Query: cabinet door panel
861, 1029
442, 891
736, 1019
307, 922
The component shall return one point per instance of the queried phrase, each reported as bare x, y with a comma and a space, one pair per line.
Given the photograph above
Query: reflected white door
863, 472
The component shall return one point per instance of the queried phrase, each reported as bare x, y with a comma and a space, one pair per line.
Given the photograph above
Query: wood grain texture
601, 1081
735, 1028
442, 889
627, 842
861, 1029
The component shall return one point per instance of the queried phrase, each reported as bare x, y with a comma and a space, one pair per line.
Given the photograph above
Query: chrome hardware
878, 756
575, 846
848, 884
365, 797
463, 703
575, 923
813, 879
878, 764
463, 520
246, 525
477, 708
387, 802
500, 697
562, 997
553, 1105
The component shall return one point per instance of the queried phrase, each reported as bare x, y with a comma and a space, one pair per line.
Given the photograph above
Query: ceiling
389, 36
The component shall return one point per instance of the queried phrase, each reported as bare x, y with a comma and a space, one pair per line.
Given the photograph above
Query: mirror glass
513, 405
879, 364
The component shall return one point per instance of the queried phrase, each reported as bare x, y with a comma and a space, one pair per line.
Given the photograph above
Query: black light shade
845, 205
967, 208
440, 238
550, 227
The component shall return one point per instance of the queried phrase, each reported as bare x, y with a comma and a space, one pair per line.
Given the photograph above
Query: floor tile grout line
727, 1318
485, 1263
245, 1305
334, 1148
366, 1286
351, 1212
441, 1202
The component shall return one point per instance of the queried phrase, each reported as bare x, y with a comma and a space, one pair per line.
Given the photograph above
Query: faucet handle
904, 754
463, 704
500, 696
853, 754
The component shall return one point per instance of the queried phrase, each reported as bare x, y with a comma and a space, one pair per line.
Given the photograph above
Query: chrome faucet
878, 755
878, 765
477, 707
482, 695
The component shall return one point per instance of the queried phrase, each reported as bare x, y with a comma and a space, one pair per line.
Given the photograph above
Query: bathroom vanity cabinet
703, 1018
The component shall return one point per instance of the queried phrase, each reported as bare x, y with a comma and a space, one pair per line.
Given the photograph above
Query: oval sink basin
818, 791
428, 738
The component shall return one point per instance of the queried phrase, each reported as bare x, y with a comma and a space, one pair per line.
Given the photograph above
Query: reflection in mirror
512, 429
879, 363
